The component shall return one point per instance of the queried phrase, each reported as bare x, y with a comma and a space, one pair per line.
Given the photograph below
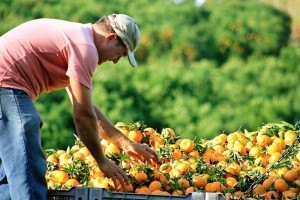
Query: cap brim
131, 59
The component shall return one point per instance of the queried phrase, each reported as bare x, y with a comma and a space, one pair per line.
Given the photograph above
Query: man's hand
114, 172
140, 151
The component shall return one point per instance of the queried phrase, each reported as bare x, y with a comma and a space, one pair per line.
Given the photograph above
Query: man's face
113, 50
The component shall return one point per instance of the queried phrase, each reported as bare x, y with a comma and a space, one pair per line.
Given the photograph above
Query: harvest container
89, 193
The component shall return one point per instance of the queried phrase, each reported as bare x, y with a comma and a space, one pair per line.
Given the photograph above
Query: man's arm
86, 124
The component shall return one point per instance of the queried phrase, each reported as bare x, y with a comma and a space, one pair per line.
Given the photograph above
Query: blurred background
205, 67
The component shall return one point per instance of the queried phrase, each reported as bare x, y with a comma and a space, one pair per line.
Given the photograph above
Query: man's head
126, 29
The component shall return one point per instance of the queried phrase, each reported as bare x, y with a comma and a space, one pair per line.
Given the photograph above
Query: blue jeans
22, 161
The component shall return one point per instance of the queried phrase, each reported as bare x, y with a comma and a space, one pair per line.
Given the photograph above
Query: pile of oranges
228, 163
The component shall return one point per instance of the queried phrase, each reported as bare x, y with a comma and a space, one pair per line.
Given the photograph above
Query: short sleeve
82, 62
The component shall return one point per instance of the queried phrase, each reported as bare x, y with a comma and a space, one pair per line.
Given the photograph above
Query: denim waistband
4, 90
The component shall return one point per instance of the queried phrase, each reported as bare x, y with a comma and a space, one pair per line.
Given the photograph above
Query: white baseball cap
127, 29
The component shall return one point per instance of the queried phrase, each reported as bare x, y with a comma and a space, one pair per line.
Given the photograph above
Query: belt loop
0, 109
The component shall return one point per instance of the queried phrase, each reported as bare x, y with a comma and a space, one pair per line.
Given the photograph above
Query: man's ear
111, 36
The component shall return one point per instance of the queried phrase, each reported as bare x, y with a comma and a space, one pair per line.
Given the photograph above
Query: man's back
39, 56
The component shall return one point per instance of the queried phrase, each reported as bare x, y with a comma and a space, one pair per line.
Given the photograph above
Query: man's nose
116, 60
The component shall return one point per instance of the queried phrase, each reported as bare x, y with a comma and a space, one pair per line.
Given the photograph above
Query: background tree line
203, 70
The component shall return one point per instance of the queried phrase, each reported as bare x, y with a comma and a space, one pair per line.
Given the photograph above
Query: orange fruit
232, 137
182, 167
78, 156
168, 133
144, 190
199, 181
280, 185
127, 188
141, 177
255, 151
157, 141
194, 154
52, 159
217, 187
263, 140
59, 176
289, 195
230, 182
155, 185
189, 190
135, 135
177, 193
176, 154
271, 195
274, 148
149, 131
72, 183
208, 187
184, 183
291, 175
187, 145
175, 173
289, 137
84, 151
267, 183
274, 157
112, 149
259, 189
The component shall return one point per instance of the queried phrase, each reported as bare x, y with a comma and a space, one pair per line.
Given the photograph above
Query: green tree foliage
203, 70
246, 28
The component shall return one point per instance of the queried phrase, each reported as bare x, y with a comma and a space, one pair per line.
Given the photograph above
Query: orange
175, 173
279, 141
271, 195
255, 151
232, 137
263, 140
199, 181
184, 183
231, 182
291, 175
274, 157
112, 149
127, 188
217, 187
59, 176
289, 195
141, 177
189, 190
72, 183
289, 137
144, 190
177, 193
168, 133
149, 131
267, 183
259, 189
155, 185
194, 154
157, 141
52, 159
208, 187
177, 154
274, 148
84, 151
135, 135
182, 167
187, 145
280, 185
78, 156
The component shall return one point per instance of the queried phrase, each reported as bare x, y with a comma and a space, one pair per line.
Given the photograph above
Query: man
44, 55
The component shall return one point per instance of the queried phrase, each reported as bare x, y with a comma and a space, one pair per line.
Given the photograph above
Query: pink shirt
39, 56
